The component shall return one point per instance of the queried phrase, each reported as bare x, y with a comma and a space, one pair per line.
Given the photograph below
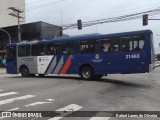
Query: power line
44, 5
151, 12
35, 2
38, 6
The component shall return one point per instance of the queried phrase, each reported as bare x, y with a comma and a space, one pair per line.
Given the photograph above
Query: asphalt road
135, 92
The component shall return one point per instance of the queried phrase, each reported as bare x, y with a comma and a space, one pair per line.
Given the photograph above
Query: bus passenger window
50, 49
132, 43
93, 46
105, 45
115, 44
83, 47
23, 50
141, 44
68, 48
28, 50
38, 50
57, 48
89, 46
41, 50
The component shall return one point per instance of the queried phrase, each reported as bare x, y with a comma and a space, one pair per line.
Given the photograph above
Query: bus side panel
110, 63
76, 61
135, 62
30, 62
11, 67
101, 63
44, 64
51, 64
118, 62
93, 60
67, 65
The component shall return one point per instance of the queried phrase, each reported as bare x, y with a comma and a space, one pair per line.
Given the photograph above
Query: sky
65, 12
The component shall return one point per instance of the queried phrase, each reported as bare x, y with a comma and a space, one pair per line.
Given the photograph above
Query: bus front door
11, 60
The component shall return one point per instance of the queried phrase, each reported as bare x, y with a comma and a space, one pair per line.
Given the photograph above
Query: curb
2, 70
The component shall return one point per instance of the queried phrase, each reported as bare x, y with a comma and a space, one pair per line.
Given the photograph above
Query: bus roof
81, 37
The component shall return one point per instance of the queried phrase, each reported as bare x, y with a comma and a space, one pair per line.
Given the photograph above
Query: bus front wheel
86, 73
24, 71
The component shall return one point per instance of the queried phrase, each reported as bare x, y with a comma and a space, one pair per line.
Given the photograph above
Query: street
134, 92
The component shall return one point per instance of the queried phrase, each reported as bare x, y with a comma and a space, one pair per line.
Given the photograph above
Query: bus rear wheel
24, 71
86, 73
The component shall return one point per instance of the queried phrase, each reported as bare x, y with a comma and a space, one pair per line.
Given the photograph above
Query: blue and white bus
90, 56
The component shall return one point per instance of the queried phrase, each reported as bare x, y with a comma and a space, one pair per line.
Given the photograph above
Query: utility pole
16, 13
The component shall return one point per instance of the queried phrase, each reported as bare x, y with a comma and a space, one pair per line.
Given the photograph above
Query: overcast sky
65, 12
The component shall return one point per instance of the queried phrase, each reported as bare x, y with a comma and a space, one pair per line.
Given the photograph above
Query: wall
7, 20
49, 31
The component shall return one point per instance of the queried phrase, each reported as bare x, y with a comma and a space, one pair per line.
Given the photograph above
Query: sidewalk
2, 70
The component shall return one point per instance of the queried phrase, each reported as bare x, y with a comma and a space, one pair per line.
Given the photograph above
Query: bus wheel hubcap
86, 74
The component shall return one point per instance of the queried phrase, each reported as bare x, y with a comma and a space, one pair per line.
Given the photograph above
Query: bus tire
24, 71
86, 73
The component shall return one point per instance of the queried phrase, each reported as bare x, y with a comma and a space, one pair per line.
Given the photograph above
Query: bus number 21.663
133, 56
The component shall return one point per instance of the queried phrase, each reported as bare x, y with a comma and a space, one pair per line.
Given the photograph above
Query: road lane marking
37, 103
69, 108
14, 109
2, 102
7, 94
40, 103
50, 100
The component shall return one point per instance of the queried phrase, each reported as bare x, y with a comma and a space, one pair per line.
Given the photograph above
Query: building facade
29, 32
6, 19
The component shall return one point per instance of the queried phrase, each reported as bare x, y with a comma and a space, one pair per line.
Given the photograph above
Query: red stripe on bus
66, 66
